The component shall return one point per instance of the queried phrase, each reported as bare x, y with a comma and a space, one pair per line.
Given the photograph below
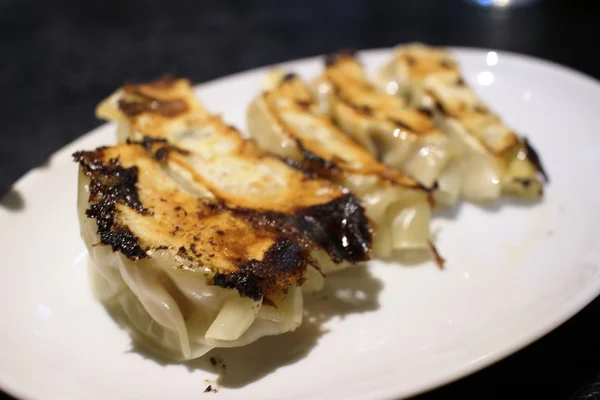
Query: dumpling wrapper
399, 136
283, 120
182, 274
235, 171
495, 160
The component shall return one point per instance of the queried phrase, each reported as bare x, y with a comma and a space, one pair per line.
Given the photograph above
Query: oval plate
514, 272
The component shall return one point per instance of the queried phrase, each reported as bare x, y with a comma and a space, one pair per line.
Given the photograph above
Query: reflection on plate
514, 272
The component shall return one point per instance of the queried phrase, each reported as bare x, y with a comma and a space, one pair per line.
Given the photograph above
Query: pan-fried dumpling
495, 159
234, 171
400, 137
184, 274
283, 121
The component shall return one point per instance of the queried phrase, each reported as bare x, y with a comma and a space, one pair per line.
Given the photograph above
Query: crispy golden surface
434, 77
440, 75
351, 88
139, 210
225, 166
322, 144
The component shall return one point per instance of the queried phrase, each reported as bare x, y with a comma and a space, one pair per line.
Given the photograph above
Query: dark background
58, 59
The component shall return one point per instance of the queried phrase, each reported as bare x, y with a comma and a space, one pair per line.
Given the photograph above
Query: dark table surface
60, 58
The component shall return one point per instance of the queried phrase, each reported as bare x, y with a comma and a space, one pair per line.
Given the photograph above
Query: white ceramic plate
514, 272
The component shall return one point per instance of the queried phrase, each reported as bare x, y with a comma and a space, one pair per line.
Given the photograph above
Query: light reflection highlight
485, 78
492, 58
392, 88
323, 88
399, 133
496, 3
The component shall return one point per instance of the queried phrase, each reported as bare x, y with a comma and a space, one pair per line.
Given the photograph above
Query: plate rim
566, 310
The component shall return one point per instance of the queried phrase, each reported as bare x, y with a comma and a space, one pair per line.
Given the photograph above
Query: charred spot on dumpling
316, 164
441, 109
535, 159
437, 104
161, 107
297, 165
288, 77
283, 260
282, 265
363, 109
207, 207
480, 109
401, 124
162, 146
425, 111
280, 224
525, 182
333, 58
131, 108
180, 211
290, 162
446, 63
303, 103
146, 142
182, 252
410, 60
164, 82
111, 184
161, 154
109, 180
340, 227
145, 103
112, 234
246, 284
